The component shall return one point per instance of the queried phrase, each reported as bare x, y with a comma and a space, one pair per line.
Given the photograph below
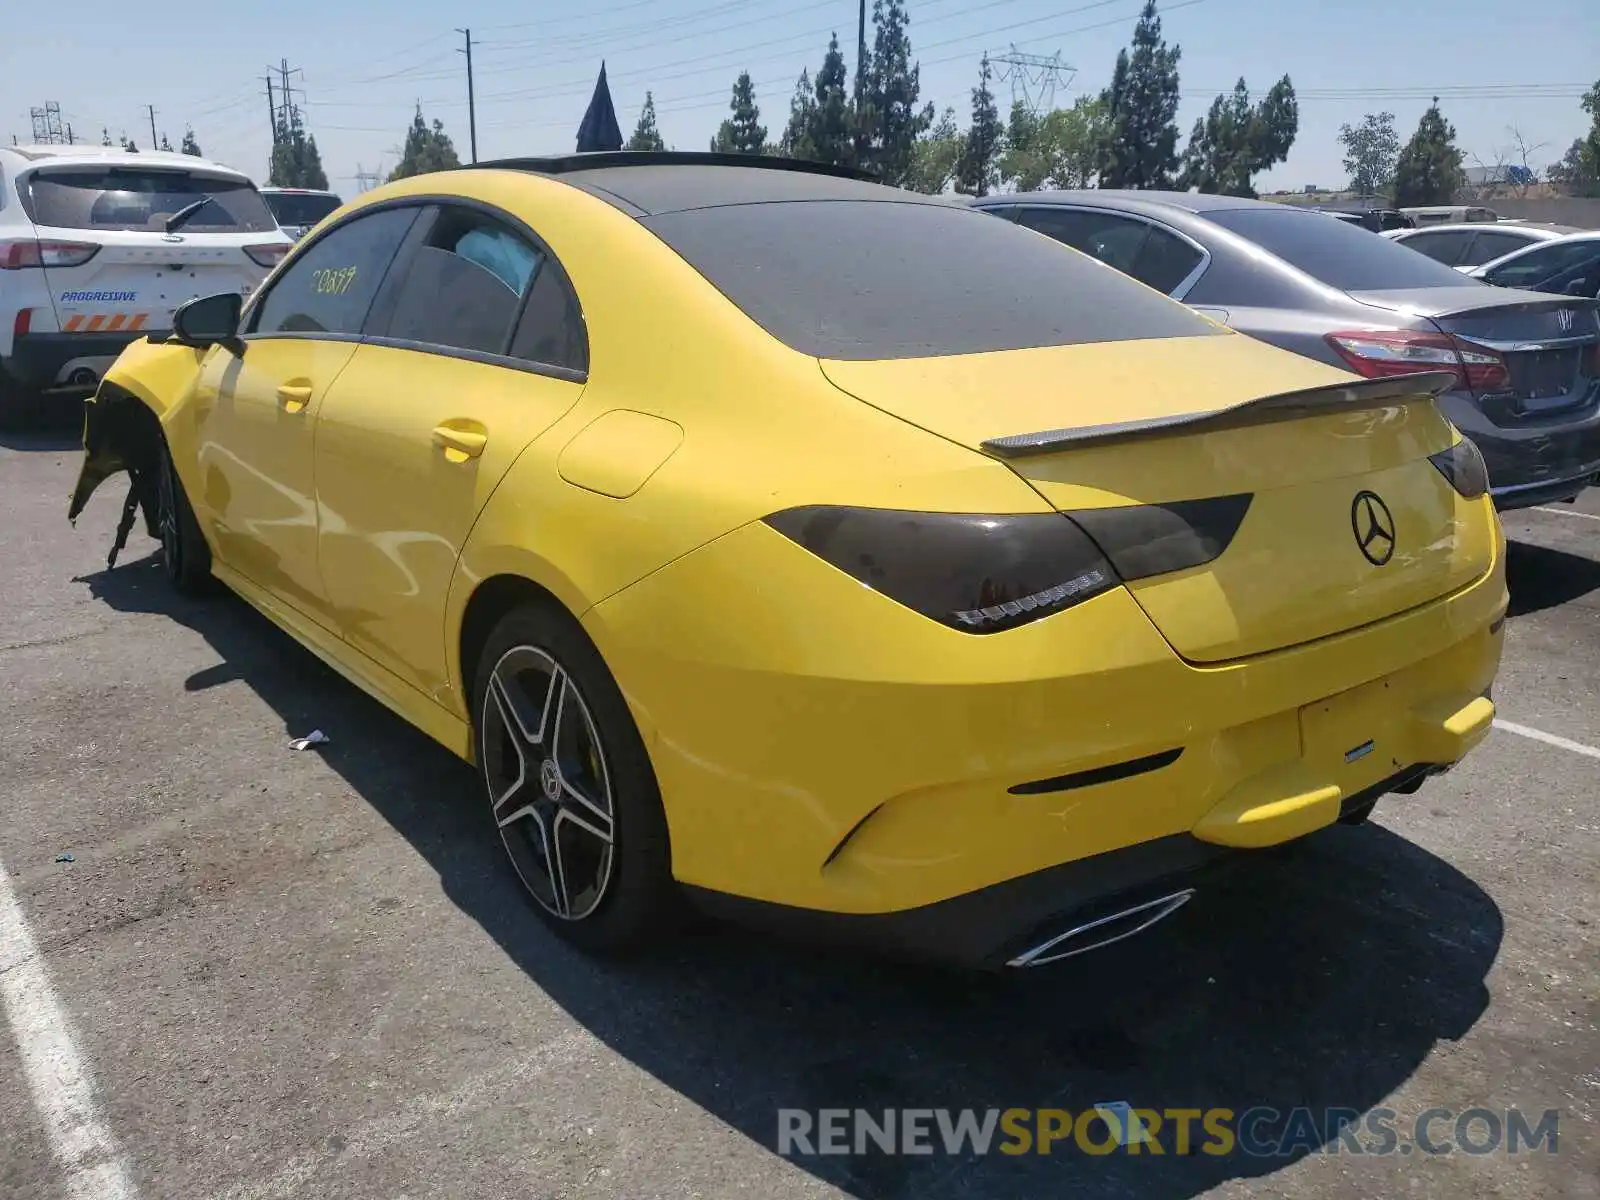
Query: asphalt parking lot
270, 973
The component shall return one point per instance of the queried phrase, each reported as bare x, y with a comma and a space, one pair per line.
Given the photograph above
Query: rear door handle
294, 397
459, 444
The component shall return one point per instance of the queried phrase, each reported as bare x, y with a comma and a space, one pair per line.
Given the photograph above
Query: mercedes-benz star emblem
550, 779
1374, 527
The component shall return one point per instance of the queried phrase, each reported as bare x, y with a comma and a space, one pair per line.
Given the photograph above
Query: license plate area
1545, 379
1355, 736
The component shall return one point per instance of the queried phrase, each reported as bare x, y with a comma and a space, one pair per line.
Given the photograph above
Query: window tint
1491, 246
857, 279
330, 287
1536, 266
1441, 247
552, 330
464, 286
1114, 240
1343, 256
1165, 260
140, 198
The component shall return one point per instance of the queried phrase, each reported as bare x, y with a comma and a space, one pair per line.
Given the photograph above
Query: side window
1441, 247
1491, 246
1164, 261
1533, 268
464, 287
330, 287
1114, 240
552, 330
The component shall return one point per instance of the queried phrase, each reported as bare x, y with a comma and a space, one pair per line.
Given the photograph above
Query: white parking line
1548, 739
85, 1150
1569, 512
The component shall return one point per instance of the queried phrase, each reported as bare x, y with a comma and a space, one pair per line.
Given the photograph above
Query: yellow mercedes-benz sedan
819, 552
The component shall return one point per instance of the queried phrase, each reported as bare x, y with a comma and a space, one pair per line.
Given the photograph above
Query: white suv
99, 245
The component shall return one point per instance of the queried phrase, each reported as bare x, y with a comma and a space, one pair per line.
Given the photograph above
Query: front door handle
459, 444
294, 397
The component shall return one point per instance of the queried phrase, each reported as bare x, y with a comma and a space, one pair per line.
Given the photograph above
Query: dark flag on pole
599, 130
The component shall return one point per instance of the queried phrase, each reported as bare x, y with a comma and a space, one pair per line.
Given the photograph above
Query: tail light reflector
23, 322
268, 255
1380, 353
18, 254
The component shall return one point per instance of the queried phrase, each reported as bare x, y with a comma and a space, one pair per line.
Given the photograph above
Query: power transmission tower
47, 125
472, 109
365, 179
1034, 78
285, 112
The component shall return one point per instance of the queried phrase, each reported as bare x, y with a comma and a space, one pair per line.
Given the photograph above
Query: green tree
832, 130
1236, 140
1578, 172
795, 141
646, 135
190, 146
1428, 170
1370, 151
166, 145
129, 144
742, 133
1060, 149
426, 149
295, 160
105, 136
977, 173
936, 155
1141, 108
890, 121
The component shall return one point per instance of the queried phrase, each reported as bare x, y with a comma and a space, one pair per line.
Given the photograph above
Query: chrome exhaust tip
1103, 931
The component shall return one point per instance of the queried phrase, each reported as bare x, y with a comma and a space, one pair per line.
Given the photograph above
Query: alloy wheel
549, 786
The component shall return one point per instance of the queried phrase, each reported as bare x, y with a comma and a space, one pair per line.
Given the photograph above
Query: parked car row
1526, 366
99, 246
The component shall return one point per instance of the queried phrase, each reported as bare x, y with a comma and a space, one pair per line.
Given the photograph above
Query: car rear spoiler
1318, 401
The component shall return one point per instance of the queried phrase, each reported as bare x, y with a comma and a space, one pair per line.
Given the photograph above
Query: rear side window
1342, 256
1537, 267
1491, 246
329, 288
1151, 255
552, 330
1445, 248
463, 289
857, 279
143, 199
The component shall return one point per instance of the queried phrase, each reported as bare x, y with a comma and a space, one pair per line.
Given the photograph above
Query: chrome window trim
1185, 285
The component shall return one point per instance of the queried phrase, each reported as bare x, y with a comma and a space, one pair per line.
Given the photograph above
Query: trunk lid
1148, 423
1545, 341
136, 280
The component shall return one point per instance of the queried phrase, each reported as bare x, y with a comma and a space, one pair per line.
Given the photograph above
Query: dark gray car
1528, 364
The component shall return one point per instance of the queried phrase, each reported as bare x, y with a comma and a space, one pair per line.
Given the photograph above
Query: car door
1545, 266
475, 347
1442, 245
1490, 244
255, 411
1153, 254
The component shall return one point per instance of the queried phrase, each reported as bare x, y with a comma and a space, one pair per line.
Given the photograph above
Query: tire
540, 682
184, 554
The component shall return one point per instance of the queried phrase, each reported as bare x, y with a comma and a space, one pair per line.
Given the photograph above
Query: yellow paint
780, 700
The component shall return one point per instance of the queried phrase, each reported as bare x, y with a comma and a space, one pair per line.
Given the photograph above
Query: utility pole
272, 110
152, 109
861, 52
71, 141
472, 110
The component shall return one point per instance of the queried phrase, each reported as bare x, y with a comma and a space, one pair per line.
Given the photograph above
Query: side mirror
209, 321
1578, 287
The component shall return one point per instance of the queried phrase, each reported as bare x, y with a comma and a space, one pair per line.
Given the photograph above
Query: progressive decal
97, 297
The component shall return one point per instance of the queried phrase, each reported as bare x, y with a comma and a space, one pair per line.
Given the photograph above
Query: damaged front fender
122, 427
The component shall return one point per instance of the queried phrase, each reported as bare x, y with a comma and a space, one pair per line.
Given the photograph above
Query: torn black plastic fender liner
1355, 396
120, 434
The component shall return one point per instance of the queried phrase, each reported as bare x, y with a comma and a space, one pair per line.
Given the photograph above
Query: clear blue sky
365, 63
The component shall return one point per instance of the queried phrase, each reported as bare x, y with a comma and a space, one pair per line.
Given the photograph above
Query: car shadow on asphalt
53, 424
1319, 976
1540, 577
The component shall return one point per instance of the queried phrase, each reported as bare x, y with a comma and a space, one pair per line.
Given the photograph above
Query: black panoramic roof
1196, 202
649, 183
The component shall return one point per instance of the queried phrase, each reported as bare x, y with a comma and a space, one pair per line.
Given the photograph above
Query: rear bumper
1537, 462
40, 360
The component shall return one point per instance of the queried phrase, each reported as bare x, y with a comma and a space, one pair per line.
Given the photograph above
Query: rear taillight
268, 255
22, 322
1379, 353
1463, 466
29, 252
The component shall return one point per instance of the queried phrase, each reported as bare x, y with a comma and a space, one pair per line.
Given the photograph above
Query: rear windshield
854, 279
296, 209
132, 198
1344, 256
